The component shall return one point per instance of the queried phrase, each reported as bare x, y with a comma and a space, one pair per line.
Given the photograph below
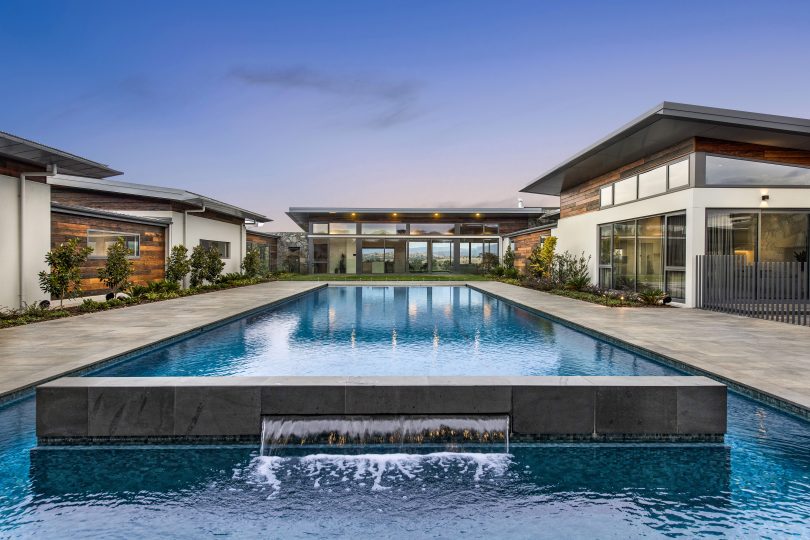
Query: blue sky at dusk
268, 105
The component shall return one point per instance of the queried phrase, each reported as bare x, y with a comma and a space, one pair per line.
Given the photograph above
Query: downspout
23, 179
185, 230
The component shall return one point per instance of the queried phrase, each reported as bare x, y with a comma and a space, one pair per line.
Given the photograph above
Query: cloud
394, 102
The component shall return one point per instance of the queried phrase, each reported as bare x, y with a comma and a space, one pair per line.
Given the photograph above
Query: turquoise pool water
757, 485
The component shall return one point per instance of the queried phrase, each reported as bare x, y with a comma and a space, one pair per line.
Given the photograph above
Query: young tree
542, 257
509, 258
178, 265
118, 269
252, 263
64, 278
206, 265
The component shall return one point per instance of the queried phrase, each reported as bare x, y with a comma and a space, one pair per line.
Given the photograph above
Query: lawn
382, 277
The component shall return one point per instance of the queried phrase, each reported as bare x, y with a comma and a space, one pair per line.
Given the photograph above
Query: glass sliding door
732, 233
441, 256
605, 259
675, 264
320, 256
650, 249
783, 237
624, 255
342, 256
417, 257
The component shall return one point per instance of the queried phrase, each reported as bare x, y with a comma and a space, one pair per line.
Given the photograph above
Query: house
48, 195
524, 241
407, 240
679, 182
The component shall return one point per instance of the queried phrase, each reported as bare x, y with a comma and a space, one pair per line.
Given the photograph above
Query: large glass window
679, 174
441, 257
650, 249
320, 228
384, 257
100, 242
605, 250
490, 228
417, 256
224, 248
606, 195
652, 182
383, 228
625, 190
783, 237
732, 233
342, 256
320, 256
624, 255
472, 229
432, 229
721, 171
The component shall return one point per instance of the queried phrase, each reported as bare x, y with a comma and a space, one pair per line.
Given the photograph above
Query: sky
268, 105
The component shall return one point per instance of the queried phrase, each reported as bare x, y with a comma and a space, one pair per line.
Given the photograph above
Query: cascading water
448, 432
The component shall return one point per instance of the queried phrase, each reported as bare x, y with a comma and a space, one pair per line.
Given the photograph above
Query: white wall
580, 233
37, 240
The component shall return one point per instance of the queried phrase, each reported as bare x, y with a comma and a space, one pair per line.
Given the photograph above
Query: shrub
509, 258
206, 265
488, 262
567, 268
579, 283
155, 288
178, 265
230, 277
651, 297
542, 257
64, 278
118, 269
252, 263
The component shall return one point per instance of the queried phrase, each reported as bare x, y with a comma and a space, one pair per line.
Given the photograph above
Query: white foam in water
378, 468
397, 430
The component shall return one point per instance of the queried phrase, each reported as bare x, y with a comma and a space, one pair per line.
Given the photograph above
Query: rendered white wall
37, 229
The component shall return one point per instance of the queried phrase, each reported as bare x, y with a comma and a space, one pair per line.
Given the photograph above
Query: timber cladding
150, 266
270, 242
524, 244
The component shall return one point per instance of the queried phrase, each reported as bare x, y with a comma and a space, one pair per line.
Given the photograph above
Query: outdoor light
353, 214
766, 197
395, 213
435, 215
477, 214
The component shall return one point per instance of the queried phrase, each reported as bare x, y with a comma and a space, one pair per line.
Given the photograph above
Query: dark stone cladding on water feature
102, 410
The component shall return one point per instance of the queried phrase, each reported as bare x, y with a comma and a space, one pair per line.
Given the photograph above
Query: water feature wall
82, 410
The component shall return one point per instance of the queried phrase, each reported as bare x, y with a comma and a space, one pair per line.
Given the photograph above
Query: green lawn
382, 277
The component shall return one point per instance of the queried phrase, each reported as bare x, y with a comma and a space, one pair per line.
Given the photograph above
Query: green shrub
567, 268
509, 258
118, 269
162, 287
578, 283
64, 278
230, 277
542, 257
206, 265
252, 263
651, 297
488, 262
178, 266
90, 306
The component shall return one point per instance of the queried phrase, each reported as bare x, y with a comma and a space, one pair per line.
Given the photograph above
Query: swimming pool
758, 484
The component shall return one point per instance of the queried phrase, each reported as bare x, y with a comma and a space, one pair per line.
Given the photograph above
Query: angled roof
95, 212
38, 154
302, 214
666, 125
157, 192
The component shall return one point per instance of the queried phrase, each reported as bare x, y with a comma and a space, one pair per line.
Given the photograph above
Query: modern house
679, 182
48, 195
408, 240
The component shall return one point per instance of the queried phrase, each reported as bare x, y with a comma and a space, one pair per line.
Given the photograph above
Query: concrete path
769, 359
35, 353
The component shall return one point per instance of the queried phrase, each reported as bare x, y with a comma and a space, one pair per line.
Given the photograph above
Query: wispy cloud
394, 102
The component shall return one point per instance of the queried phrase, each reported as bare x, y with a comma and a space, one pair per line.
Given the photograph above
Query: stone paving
769, 358
35, 353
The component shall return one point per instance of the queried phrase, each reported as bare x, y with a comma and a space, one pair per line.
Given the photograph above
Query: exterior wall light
395, 214
766, 197
435, 215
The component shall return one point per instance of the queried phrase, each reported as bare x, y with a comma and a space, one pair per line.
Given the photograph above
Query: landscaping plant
64, 278
178, 265
206, 265
542, 257
252, 263
118, 269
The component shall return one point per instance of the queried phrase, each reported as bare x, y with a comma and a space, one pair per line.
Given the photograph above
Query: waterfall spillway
404, 430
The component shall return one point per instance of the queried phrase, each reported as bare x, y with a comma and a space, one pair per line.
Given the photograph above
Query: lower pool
757, 484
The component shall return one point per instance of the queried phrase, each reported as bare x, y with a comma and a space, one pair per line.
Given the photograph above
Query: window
758, 236
320, 228
624, 255
441, 257
606, 195
432, 229
490, 228
650, 260
732, 233
675, 264
100, 242
679, 174
624, 190
343, 228
472, 229
605, 250
224, 248
417, 257
721, 171
652, 182
383, 228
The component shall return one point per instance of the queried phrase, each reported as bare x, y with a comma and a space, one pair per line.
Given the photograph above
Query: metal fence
776, 291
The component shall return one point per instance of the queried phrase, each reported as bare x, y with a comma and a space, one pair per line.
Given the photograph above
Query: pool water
756, 485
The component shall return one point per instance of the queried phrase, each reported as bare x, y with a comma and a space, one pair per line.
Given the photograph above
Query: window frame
116, 234
704, 176
691, 182
227, 244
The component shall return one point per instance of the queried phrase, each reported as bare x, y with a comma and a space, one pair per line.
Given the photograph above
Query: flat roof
157, 192
663, 126
104, 214
35, 153
302, 214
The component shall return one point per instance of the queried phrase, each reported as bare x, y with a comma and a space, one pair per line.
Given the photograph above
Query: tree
252, 263
542, 257
509, 258
178, 265
206, 265
118, 269
64, 278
